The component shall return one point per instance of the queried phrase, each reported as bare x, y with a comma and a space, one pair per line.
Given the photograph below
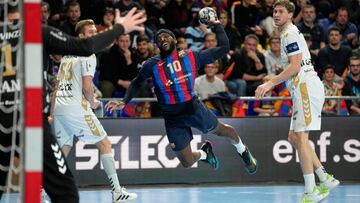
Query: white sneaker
329, 184
314, 196
123, 196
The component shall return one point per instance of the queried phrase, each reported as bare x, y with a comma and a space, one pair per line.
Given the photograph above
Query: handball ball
206, 15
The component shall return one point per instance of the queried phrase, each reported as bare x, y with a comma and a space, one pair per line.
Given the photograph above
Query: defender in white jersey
73, 115
307, 94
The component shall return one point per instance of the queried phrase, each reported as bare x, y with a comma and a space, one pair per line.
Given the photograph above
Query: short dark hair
309, 6
342, 8
142, 38
290, 6
71, 4
329, 66
334, 28
252, 36
209, 34
355, 57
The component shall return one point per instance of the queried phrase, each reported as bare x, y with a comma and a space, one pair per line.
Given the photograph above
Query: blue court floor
225, 194
349, 193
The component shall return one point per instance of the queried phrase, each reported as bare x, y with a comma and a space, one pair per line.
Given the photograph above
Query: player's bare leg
224, 130
300, 140
327, 181
107, 159
66, 150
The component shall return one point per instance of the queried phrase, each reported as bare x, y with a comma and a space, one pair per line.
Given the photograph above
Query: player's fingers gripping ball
207, 15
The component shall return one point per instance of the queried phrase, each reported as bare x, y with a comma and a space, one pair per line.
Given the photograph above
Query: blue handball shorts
178, 128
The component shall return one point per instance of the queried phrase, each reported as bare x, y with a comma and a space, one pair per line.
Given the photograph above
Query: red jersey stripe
164, 81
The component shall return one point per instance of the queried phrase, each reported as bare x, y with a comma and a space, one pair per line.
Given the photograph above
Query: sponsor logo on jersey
10, 35
292, 47
306, 62
181, 54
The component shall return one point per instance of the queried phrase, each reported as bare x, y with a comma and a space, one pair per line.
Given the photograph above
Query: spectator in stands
210, 41
144, 49
273, 55
208, 84
308, 40
252, 64
177, 16
107, 20
331, 88
56, 11
155, 10
231, 31
266, 16
181, 42
126, 5
323, 10
246, 18
334, 53
354, 11
73, 15
194, 34
310, 27
299, 5
117, 68
147, 31
352, 86
45, 12
348, 30
263, 107
217, 5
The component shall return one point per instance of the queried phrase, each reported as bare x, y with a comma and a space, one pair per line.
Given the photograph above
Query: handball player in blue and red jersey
173, 73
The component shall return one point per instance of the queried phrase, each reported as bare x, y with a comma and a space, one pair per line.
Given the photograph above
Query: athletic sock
309, 182
203, 154
321, 173
240, 147
108, 162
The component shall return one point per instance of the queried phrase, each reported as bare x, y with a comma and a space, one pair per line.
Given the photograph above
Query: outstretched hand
131, 21
114, 105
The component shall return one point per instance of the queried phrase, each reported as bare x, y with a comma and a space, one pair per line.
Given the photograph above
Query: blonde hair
290, 6
79, 28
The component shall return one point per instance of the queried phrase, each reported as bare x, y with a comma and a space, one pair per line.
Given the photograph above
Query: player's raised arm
57, 42
223, 41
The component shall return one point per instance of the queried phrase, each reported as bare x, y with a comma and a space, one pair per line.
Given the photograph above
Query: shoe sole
216, 159
256, 169
333, 187
216, 164
128, 200
324, 196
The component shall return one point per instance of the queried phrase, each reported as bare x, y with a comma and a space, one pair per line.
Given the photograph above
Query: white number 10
175, 66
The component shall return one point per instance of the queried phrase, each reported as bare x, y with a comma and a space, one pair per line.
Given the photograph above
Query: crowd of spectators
330, 28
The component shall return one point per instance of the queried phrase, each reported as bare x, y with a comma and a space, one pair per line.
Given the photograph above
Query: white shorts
86, 128
308, 99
